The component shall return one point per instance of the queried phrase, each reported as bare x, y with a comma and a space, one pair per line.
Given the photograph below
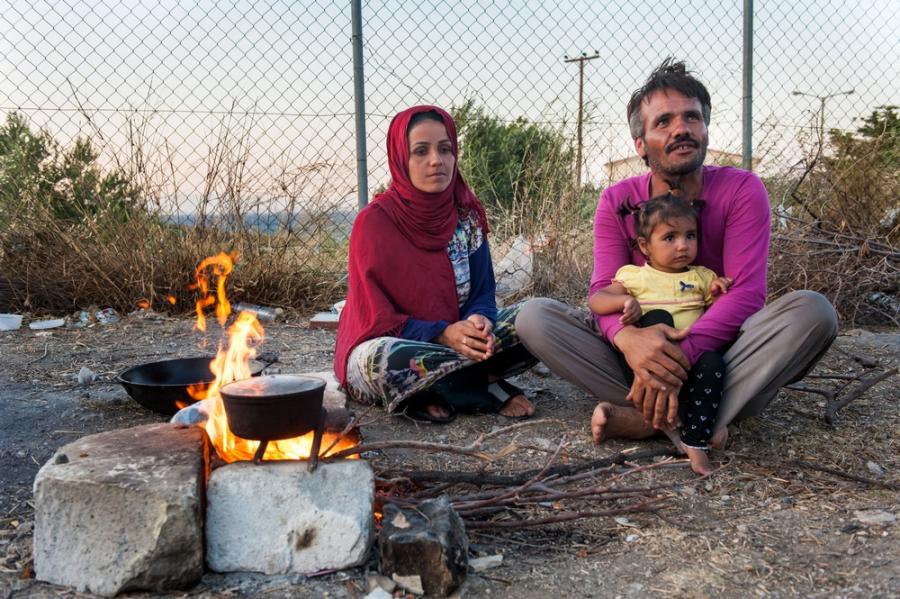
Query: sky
183, 87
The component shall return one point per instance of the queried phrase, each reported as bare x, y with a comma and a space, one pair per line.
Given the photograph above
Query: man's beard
679, 170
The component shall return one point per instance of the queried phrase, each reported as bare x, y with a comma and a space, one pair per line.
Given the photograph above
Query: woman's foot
436, 411
517, 407
699, 460
429, 407
619, 422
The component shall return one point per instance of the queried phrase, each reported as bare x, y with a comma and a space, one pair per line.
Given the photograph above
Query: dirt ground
772, 521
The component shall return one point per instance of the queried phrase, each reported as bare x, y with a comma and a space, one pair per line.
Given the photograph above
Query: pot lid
273, 385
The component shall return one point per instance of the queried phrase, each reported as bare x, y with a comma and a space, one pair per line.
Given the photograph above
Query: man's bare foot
719, 439
517, 407
618, 422
699, 460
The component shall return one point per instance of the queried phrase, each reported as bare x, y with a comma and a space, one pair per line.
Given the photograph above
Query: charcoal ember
429, 542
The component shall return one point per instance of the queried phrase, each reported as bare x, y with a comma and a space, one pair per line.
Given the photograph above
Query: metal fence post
747, 104
360, 104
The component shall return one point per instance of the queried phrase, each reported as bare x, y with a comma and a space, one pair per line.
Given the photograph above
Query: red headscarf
399, 267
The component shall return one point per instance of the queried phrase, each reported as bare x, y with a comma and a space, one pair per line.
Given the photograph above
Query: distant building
634, 165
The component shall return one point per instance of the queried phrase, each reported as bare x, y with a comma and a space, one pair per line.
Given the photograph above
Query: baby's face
672, 246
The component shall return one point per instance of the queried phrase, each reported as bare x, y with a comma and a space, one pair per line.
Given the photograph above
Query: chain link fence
245, 110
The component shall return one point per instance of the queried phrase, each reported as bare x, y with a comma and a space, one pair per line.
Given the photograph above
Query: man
764, 348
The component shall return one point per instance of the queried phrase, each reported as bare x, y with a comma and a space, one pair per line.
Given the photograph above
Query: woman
420, 331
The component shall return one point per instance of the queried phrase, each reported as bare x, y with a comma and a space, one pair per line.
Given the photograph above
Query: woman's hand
471, 337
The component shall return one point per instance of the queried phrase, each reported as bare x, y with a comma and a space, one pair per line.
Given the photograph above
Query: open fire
232, 363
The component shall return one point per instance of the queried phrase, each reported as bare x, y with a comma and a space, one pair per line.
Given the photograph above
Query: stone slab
426, 544
122, 510
277, 518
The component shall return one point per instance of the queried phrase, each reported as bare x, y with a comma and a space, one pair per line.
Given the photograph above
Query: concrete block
277, 518
122, 510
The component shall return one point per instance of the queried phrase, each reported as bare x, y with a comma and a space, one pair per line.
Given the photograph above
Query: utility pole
580, 60
822, 100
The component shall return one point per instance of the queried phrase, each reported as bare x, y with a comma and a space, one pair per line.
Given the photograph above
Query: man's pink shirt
734, 242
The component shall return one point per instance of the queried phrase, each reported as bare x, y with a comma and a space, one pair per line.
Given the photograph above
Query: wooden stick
832, 406
847, 475
646, 506
482, 479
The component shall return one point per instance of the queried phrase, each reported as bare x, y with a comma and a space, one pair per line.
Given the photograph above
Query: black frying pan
162, 386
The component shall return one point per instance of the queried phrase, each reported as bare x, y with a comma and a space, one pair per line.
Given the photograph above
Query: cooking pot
163, 386
276, 406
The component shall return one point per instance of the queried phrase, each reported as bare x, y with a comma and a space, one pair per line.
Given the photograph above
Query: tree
515, 168
36, 172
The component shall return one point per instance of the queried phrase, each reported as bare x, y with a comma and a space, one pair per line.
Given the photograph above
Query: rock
480, 564
121, 511
85, 376
429, 542
875, 517
875, 468
413, 583
541, 370
374, 581
623, 521
277, 518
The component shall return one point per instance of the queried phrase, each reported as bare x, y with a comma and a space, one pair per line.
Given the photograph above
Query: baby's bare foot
699, 460
719, 439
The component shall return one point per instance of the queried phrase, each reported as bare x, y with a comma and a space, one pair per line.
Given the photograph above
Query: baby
669, 290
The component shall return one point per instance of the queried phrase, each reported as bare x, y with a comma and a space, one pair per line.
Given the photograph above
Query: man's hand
659, 408
474, 341
659, 368
631, 311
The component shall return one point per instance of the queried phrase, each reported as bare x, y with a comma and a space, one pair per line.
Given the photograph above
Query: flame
232, 363
171, 299
143, 304
220, 266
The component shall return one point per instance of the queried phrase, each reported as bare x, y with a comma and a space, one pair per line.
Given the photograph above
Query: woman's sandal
417, 408
502, 391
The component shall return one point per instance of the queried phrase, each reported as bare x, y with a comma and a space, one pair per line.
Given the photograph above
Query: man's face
675, 135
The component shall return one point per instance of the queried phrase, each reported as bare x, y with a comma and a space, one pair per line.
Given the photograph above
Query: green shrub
36, 174
517, 169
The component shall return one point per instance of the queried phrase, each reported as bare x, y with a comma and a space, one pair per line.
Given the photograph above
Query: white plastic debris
10, 322
194, 414
379, 593
513, 272
480, 564
53, 323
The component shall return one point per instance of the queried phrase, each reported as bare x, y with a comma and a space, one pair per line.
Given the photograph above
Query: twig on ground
650, 505
847, 475
44, 355
483, 479
833, 405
